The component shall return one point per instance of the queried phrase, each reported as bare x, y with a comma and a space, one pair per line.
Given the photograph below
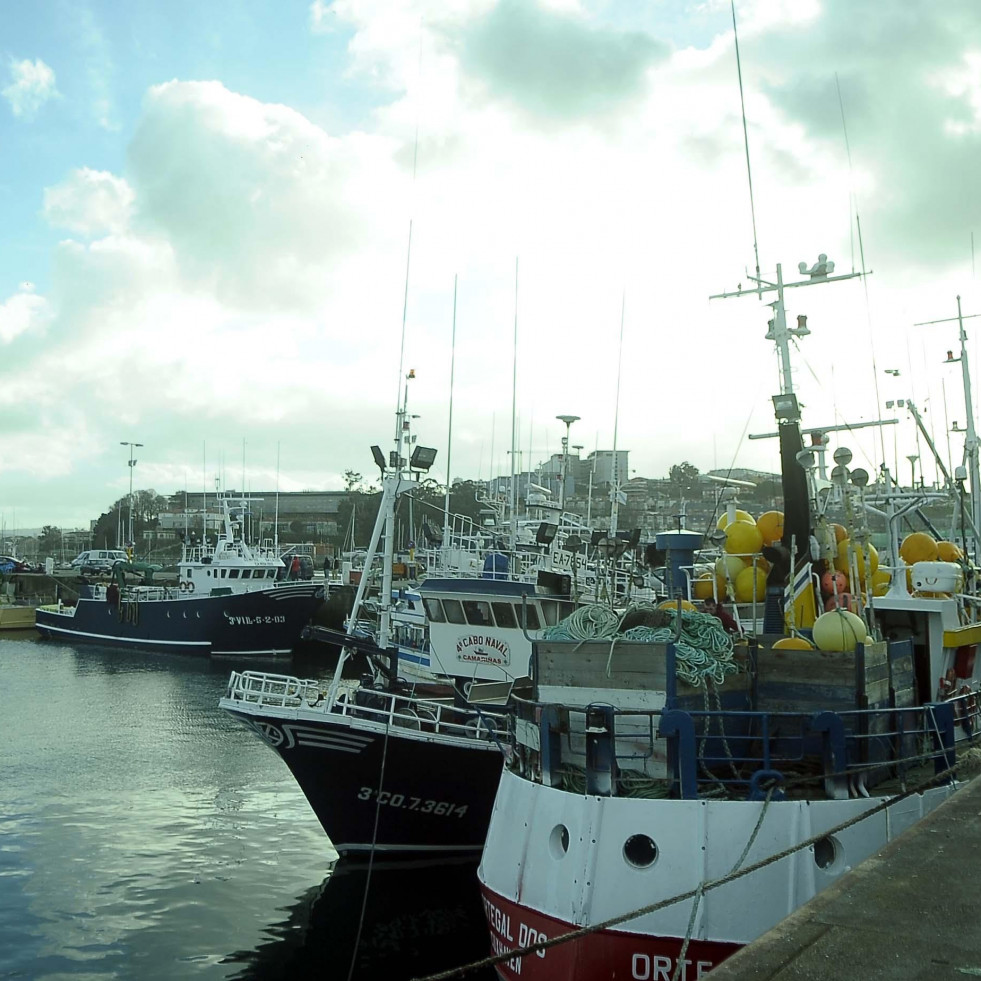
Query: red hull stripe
597, 957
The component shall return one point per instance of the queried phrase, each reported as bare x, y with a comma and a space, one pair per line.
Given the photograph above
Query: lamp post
132, 464
568, 420
913, 457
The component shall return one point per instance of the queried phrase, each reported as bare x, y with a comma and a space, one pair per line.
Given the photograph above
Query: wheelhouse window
270, 573
477, 613
246, 573
504, 614
434, 610
530, 612
454, 611
233, 573
224, 573
550, 610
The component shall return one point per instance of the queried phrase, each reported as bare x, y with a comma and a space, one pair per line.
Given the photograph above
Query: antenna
449, 434
615, 502
749, 170
514, 418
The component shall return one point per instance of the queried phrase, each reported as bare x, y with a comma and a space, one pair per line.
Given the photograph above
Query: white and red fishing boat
650, 767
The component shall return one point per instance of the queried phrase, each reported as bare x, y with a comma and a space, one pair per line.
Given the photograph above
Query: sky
206, 241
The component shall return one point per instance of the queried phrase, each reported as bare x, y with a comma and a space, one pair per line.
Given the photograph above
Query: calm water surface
145, 834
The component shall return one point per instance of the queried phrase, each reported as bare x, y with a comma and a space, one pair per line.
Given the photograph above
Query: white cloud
322, 19
90, 202
33, 84
23, 313
243, 276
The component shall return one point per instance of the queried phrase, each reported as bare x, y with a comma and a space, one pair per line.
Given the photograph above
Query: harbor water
144, 834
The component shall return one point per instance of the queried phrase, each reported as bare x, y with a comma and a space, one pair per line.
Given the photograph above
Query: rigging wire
749, 171
861, 256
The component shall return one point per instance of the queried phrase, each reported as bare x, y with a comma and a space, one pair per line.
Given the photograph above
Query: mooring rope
703, 887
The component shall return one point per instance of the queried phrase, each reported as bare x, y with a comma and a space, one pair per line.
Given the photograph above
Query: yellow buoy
793, 644
750, 584
949, 552
838, 630
742, 538
701, 588
673, 605
919, 547
770, 524
740, 516
845, 550
841, 533
881, 581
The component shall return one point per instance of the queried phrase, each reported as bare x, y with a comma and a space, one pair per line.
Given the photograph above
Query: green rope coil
703, 649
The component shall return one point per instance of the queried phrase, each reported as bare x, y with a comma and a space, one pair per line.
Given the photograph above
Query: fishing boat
227, 601
408, 758
670, 796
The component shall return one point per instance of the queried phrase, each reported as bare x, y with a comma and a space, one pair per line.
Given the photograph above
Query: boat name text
483, 649
252, 621
441, 808
500, 924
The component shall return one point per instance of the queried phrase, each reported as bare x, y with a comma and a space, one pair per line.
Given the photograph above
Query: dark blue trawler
227, 601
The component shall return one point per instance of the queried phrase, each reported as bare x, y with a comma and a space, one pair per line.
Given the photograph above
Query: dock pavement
912, 912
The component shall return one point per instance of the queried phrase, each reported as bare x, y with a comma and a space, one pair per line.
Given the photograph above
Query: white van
98, 560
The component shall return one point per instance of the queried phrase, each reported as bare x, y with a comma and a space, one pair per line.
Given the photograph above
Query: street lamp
913, 457
568, 420
132, 464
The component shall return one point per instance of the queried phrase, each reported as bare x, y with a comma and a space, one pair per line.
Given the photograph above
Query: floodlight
860, 477
423, 457
546, 533
839, 475
379, 458
806, 459
843, 455
786, 407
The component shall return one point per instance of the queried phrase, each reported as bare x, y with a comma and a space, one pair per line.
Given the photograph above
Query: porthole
558, 841
640, 851
827, 853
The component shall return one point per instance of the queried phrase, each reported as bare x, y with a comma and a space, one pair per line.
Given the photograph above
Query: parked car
10, 564
98, 560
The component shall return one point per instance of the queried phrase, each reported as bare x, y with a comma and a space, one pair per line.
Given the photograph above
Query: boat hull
557, 861
265, 622
392, 790
603, 955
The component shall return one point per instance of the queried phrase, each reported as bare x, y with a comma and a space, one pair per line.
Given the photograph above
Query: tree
683, 478
49, 542
352, 481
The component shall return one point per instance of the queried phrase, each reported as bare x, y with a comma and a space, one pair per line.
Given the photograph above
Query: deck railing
599, 749
435, 716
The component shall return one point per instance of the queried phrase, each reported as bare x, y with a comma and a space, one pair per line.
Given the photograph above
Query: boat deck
908, 912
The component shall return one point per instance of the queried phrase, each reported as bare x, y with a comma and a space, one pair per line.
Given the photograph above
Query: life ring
190, 587
182, 586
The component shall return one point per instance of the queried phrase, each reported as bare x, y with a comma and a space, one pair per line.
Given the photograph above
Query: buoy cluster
740, 572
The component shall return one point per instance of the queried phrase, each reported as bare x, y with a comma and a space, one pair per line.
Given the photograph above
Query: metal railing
697, 753
256, 690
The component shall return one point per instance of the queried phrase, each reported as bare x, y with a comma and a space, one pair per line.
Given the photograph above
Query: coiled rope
703, 649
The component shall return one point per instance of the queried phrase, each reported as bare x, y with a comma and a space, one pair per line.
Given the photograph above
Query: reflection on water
418, 918
145, 834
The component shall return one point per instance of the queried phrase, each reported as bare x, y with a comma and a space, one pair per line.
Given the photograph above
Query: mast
514, 421
971, 467
797, 519
615, 492
449, 434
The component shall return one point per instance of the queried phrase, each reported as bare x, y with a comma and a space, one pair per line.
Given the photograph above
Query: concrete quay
912, 911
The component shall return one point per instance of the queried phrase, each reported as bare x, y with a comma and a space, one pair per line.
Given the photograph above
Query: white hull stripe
129, 640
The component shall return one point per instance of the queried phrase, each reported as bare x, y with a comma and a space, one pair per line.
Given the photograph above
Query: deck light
423, 457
